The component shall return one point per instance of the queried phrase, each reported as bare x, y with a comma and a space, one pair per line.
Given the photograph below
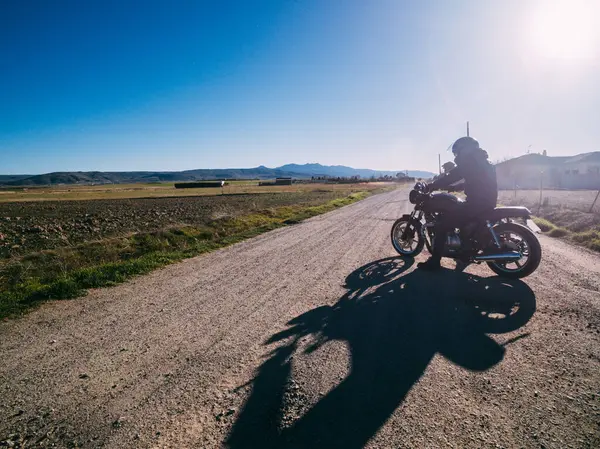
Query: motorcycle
504, 238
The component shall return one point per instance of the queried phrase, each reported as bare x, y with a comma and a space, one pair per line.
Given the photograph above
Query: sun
566, 29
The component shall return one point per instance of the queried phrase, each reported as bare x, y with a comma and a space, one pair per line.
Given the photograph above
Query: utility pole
541, 188
440, 162
467, 129
594, 203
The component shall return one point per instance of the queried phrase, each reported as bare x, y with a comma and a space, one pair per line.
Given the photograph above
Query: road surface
314, 335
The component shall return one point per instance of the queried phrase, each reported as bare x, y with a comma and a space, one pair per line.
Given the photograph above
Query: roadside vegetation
589, 238
562, 214
68, 270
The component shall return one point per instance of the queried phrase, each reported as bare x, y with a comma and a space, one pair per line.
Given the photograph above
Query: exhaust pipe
502, 257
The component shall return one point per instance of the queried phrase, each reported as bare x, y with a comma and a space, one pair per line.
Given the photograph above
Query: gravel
314, 335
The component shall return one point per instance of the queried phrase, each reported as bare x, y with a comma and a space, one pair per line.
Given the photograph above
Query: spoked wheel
514, 237
407, 238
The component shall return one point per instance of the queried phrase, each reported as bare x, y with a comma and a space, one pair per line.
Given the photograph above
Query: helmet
448, 166
464, 146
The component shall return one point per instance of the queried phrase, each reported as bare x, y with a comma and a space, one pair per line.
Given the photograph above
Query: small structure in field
277, 182
283, 181
200, 184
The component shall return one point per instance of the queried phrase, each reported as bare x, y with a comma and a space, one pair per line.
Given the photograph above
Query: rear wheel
514, 237
412, 244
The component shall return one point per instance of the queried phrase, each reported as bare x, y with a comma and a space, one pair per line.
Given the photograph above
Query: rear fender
508, 213
502, 213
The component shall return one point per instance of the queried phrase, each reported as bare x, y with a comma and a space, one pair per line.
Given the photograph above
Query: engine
453, 241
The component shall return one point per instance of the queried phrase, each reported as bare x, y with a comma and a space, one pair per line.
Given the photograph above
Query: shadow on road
393, 324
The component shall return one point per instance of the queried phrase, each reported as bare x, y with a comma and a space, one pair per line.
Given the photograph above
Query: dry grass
562, 208
580, 200
562, 213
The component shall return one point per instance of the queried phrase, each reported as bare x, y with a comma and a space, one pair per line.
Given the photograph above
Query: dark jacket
479, 174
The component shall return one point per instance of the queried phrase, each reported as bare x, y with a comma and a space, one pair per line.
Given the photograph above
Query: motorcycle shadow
393, 322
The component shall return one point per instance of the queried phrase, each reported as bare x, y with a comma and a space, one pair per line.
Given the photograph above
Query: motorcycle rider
445, 169
480, 187
448, 166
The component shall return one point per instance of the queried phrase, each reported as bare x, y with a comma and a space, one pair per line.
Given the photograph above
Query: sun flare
566, 29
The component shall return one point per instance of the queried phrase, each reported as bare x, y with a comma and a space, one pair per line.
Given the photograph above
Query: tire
397, 230
533, 259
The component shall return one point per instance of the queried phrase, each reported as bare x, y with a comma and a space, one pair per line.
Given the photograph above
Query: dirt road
315, 335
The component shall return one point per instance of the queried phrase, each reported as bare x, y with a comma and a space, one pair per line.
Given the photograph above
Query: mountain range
343, 171
262, 172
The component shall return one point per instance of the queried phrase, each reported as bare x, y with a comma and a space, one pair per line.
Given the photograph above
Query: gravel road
315, 335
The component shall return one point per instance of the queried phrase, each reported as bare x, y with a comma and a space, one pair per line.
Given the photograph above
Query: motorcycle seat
508, 212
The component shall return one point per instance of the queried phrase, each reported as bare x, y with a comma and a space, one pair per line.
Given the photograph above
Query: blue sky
384, 84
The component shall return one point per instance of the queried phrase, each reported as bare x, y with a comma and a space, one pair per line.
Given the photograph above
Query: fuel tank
441, 202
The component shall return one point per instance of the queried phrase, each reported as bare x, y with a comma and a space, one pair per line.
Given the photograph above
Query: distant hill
343, 171
136, 177
11, 178
261, 172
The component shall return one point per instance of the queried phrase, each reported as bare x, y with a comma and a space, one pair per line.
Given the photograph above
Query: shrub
587, 236
594, 245
558, 232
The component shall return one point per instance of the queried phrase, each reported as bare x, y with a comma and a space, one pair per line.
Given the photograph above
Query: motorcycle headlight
412, 196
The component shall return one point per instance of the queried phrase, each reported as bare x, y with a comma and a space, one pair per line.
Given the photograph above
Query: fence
587, 201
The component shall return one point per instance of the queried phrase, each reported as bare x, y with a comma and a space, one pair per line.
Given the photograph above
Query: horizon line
193, 169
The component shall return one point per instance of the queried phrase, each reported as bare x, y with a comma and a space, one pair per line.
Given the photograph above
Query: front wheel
514, 237
412, 243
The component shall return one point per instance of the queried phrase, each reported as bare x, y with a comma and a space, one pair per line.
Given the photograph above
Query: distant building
526, 172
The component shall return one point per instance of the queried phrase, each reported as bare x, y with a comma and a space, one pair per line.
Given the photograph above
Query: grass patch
68, 272
544, 224
589, 239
